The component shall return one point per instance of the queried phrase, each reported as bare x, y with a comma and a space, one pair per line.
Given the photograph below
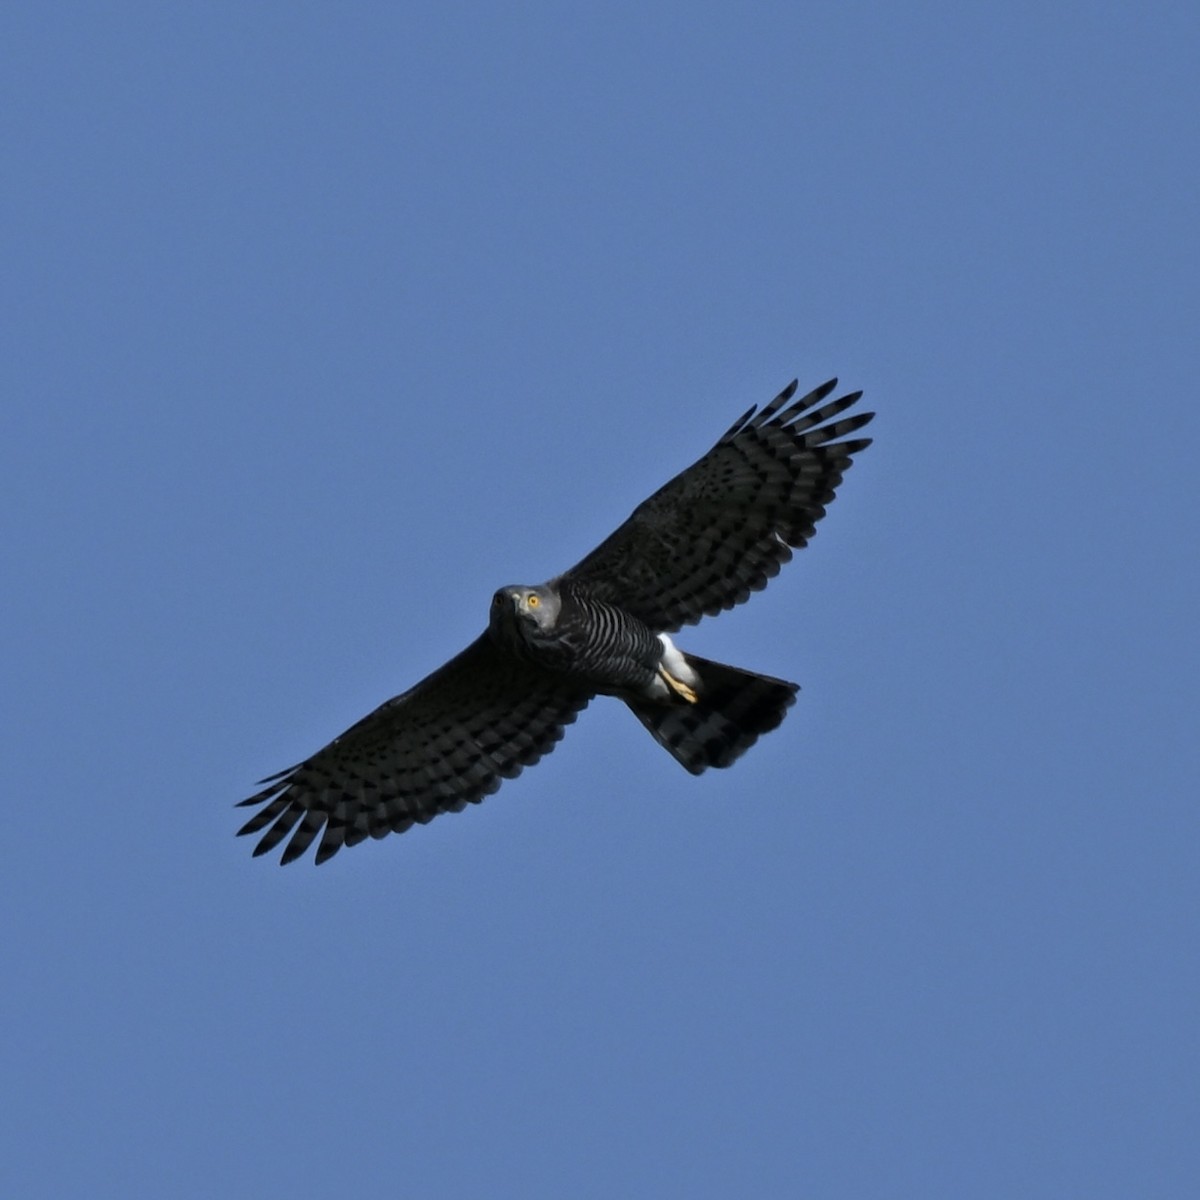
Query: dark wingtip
770, 413
291, 854
816, 395
737, 425
279, 775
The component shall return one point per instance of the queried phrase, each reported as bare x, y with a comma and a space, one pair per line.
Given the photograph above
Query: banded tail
732, 710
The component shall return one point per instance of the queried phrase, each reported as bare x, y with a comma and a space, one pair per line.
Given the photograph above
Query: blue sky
320, 322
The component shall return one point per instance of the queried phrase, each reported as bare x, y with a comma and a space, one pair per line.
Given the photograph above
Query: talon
680, 688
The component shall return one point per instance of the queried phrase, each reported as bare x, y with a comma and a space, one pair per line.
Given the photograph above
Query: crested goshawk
701, 544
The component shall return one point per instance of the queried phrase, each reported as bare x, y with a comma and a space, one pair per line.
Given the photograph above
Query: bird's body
702, 543
563, 629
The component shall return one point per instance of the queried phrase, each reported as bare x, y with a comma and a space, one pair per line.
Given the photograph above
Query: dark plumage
701, 544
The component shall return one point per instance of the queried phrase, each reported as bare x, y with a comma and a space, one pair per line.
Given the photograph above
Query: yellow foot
677, 686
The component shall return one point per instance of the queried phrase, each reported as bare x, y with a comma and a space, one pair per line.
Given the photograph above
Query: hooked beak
522, 610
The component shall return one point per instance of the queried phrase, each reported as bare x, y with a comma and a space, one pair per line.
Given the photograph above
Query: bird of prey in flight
701, 544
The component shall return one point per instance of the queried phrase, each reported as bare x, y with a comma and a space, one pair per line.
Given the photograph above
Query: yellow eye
533, 600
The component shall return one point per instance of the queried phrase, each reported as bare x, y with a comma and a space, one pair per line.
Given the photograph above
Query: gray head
521, 613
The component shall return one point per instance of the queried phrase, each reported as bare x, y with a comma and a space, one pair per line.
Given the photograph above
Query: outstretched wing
444, 744
722, 528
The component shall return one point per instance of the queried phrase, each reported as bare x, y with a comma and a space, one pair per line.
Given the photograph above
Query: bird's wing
722, 528
444, 744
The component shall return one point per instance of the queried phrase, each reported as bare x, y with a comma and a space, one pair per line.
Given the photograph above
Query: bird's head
524, 613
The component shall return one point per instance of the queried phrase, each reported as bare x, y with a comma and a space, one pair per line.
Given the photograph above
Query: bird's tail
731, 710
